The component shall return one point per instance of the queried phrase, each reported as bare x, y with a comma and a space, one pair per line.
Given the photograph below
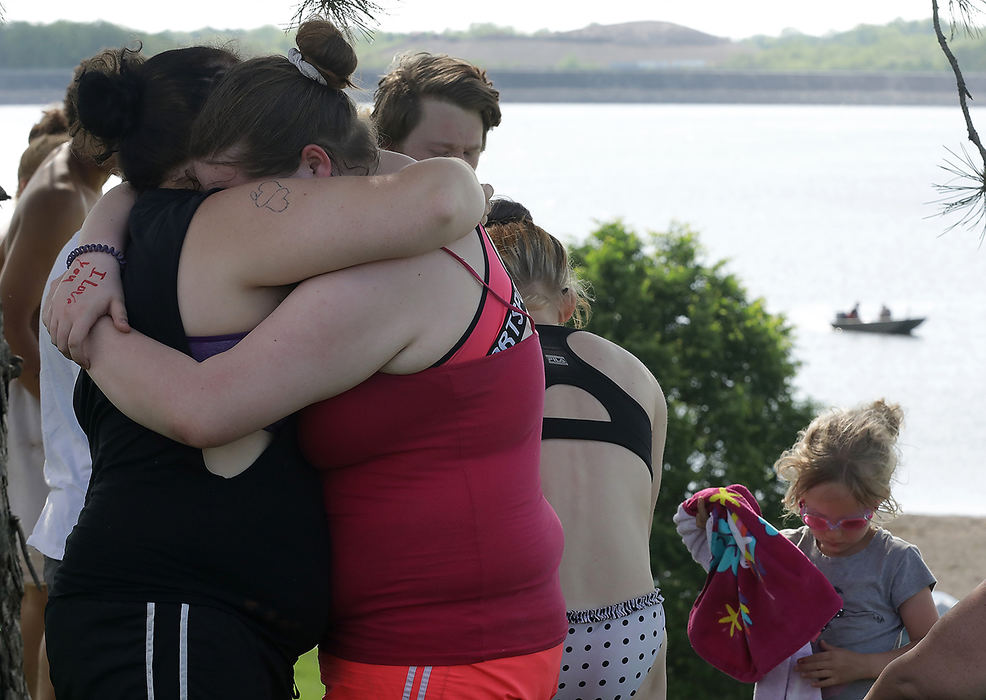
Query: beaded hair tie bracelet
96, 248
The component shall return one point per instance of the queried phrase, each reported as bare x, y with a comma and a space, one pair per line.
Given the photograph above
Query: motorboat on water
899, 326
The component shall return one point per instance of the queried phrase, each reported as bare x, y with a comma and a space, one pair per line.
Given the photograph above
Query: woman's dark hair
266, 110
142, 110
507, 211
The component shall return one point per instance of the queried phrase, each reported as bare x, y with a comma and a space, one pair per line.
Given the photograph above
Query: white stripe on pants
182, 651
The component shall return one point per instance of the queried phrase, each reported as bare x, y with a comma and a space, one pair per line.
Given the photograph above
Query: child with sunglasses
839, 474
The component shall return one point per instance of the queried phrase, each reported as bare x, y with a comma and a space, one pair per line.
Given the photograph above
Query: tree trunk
12, 683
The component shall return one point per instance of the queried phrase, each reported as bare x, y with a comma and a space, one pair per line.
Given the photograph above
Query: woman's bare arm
947, 663
282, 231
328, 335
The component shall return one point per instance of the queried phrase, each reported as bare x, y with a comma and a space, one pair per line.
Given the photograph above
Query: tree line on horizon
897, 46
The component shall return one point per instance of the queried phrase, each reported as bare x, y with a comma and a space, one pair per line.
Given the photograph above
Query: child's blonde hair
855, 447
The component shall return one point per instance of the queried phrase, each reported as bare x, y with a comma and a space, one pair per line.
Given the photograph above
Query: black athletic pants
160, 651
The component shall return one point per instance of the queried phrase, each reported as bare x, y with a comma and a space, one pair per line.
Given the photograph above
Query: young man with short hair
431, 105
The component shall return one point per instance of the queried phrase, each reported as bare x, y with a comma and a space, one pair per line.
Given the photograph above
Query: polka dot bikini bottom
609, 651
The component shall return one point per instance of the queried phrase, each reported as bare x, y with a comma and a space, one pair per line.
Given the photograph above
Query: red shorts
528, 677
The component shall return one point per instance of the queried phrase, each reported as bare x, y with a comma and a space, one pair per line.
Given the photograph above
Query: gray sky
732, 18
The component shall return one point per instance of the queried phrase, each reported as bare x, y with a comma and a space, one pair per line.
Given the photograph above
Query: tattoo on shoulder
271, 195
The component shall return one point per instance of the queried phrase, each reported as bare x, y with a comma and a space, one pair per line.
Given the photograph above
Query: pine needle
967, 12
964, 193
345, 14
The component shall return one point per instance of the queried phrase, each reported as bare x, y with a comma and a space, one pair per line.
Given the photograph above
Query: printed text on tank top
506, 323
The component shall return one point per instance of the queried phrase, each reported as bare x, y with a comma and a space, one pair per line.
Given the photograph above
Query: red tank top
444, 549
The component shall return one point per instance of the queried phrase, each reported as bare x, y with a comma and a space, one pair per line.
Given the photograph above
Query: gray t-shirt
873, 584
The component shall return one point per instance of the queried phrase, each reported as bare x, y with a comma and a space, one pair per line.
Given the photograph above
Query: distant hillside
634, 45
641, 33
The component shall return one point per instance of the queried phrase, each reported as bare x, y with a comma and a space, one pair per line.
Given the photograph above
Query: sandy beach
952, 546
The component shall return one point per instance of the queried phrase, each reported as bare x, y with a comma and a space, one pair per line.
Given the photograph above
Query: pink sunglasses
817, 522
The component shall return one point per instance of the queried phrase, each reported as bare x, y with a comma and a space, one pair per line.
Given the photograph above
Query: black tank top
157, 525
628, 424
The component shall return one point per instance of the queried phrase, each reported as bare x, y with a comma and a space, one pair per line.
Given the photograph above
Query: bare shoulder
55, 193
619, 364
605, 354
392, 162
45, 213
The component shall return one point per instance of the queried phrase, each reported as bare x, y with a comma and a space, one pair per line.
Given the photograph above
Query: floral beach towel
763, 600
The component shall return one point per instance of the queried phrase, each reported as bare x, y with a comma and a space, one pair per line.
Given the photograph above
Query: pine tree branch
967, 190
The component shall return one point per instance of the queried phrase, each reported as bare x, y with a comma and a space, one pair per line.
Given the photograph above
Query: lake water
815, 207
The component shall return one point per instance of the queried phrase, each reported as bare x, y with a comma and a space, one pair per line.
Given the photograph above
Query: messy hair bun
109, 104
328, 51
269, 108
103, 101
891, 415
53, 121
507, 211
141, 110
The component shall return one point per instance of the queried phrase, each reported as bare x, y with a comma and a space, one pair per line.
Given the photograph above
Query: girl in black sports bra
601, 453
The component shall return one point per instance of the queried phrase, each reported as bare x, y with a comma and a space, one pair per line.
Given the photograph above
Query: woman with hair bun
605, 420
420, 386
204, 573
